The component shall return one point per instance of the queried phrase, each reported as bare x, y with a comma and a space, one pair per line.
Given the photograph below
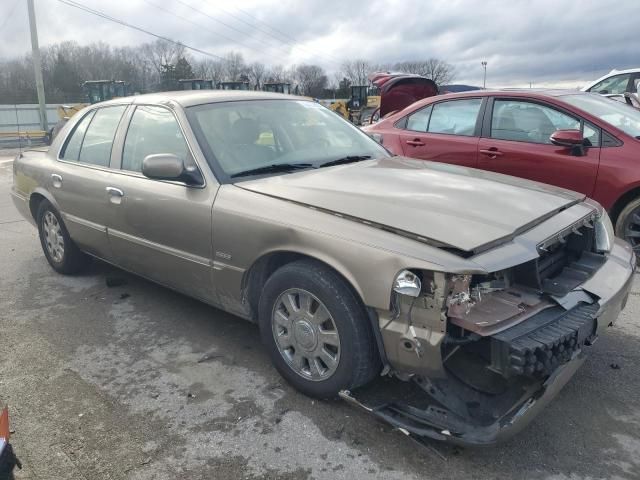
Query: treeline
158, 66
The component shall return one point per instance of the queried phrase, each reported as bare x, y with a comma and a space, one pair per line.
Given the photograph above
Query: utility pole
484, 79
37, 65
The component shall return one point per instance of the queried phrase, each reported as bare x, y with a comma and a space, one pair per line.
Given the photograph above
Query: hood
451, 205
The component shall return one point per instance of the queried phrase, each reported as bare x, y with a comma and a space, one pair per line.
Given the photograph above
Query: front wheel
316, 330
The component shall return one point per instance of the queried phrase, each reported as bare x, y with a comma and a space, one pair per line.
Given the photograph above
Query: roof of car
612, 73
539, 93
188, 98
549, 92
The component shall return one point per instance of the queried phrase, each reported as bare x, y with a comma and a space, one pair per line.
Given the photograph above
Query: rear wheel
628, 225
62, 253
316, 330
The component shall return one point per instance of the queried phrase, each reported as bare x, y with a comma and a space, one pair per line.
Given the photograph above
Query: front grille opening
563, 264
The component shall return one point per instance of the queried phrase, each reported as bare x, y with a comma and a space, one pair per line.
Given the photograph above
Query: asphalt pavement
136, 381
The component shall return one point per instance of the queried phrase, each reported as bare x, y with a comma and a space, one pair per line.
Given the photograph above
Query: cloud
543, 41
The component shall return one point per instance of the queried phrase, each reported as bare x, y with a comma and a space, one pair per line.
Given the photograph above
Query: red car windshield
618, 114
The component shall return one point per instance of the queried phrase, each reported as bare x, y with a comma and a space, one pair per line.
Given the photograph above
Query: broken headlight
407, 283
604, 233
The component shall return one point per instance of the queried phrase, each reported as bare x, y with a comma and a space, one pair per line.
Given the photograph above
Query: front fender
248, 225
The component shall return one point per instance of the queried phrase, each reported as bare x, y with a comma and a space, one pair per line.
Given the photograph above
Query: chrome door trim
160, 248
85, 223
225, 266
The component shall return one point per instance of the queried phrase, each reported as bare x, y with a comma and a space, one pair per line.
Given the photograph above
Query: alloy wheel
306, 335
53, 238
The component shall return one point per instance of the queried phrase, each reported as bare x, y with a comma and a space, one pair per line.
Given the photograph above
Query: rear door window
152, 130
71, 150
418, 121
456, 117
98, 140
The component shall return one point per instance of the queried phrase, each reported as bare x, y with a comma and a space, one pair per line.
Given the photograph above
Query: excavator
387, 93
236, 85
101, 90
195, 84
277, 87
364, 100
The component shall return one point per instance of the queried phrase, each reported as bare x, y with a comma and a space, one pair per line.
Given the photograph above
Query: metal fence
18, 122
24, 117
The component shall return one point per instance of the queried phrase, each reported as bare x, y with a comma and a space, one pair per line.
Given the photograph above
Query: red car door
446, 131
515, 141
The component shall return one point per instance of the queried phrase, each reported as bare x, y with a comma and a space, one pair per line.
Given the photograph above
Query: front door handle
115, 192
115, 195
416, 142
56, 180
492, 152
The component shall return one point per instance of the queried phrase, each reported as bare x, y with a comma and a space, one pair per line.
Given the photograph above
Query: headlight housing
604, 233
407, 283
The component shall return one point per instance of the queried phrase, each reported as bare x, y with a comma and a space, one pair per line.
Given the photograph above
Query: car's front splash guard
436, 423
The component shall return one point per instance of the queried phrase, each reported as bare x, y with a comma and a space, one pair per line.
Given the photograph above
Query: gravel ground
139, 382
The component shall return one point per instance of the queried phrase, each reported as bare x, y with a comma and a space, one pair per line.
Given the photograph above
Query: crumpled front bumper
421, 423
611, 285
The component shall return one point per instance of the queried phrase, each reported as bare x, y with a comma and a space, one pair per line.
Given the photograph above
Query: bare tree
277, 74
357, 71
256, 73
234, 66
210, 69
437, 70
161, 53
311, 79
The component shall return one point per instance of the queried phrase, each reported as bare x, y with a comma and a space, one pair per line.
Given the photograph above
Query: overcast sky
561, 42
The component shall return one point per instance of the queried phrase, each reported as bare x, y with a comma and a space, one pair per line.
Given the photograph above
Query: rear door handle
416, 142
56, 180
492, 153
115, 195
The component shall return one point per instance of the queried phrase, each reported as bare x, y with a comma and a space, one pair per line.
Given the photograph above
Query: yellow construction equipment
364, 101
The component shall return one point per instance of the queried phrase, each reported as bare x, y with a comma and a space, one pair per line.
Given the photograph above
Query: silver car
475, 293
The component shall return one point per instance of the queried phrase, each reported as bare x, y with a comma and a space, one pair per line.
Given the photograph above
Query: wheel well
622, 202
34, 202
265, 266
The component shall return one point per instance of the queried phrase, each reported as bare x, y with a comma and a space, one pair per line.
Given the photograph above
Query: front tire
316, 330
61, 252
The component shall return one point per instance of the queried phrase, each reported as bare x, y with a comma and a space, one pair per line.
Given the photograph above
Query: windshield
276, 136
618, 114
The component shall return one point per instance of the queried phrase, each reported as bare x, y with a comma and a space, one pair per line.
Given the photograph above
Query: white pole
37, 66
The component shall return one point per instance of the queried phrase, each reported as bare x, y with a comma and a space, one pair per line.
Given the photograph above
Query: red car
577, 140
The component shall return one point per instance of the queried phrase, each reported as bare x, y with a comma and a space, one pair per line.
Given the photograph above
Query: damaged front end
481, 355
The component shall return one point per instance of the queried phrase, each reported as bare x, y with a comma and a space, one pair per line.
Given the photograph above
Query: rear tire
316, 330
61, 252
628, 225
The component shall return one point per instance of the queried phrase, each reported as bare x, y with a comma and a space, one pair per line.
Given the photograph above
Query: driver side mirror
166, 166
570, 138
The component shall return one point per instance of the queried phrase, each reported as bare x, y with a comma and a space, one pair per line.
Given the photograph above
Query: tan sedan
477, 292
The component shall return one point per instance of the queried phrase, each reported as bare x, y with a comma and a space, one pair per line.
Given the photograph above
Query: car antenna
15, 107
